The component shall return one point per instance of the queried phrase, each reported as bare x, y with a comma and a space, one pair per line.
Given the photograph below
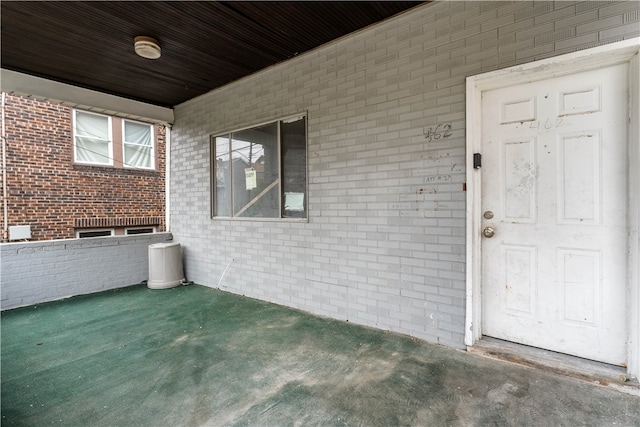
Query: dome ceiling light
147, 47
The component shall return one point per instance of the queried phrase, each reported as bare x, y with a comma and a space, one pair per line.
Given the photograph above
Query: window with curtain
112, 141
92, 136
138, 145
261, 172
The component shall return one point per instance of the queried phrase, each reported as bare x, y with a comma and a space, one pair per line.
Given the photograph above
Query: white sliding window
260, 172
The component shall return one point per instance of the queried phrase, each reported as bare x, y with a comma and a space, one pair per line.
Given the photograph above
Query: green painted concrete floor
194, 356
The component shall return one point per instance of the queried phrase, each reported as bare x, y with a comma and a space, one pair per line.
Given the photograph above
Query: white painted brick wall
385, 241
35, 272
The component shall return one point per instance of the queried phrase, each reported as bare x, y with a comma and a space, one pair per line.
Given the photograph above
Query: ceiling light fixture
147, 47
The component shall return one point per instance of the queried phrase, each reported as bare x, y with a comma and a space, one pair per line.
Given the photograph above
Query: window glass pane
89, 150
137, 156
222, 196
255, 172
294, 171
92, 125
137, 133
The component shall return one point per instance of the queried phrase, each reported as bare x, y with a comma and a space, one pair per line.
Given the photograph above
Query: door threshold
557, 363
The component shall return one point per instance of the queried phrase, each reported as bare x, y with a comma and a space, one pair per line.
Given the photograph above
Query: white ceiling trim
13, 82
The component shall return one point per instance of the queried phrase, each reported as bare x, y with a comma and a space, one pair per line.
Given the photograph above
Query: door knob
488, 232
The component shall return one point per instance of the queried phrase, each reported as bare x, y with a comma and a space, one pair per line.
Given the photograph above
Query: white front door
554, 188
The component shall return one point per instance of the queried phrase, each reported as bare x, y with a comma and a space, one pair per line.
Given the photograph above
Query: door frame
627, 51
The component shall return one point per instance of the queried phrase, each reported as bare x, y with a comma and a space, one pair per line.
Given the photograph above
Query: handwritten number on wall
441, 131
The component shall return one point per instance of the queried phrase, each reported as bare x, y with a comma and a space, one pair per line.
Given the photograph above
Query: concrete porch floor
193, 356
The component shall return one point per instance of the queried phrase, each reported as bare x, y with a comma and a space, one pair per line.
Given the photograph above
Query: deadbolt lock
488, 215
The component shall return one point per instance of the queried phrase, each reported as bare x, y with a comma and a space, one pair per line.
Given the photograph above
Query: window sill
114, 169
258, 219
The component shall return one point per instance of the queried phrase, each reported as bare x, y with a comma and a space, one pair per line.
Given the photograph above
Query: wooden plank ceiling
205, 44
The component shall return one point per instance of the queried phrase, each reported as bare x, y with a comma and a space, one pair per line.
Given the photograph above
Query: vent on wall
19, 232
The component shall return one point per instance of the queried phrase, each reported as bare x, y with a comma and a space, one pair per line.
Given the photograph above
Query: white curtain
138, 149
92, 138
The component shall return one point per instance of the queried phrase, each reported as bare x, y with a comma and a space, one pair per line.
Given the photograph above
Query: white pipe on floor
225, 272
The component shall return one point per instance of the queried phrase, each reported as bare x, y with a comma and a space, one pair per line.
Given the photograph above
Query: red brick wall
49, 192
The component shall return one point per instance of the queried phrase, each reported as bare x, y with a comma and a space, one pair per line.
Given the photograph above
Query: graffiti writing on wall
437, 178
438, 132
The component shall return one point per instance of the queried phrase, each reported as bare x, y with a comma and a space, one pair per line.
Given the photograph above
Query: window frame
281, 198
116, 155
126, 230
75, 136
124, 145
112, 232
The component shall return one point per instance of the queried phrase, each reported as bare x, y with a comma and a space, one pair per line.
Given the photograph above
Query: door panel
518, 275
519, 184
554, 190
580, 287
579, 183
